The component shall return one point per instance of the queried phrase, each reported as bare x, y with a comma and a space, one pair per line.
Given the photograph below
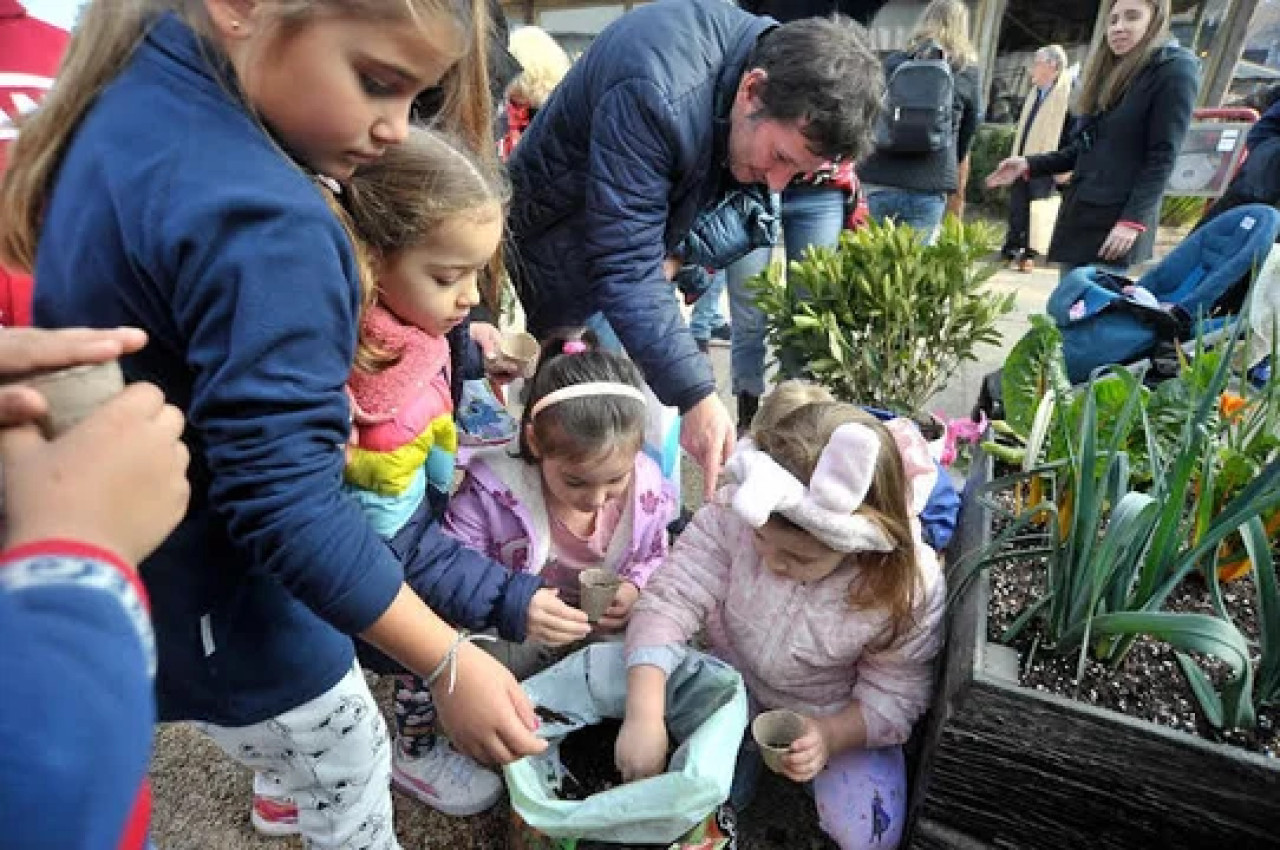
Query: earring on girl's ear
235, 25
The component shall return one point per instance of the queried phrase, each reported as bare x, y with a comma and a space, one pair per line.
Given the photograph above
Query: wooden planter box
1005, 766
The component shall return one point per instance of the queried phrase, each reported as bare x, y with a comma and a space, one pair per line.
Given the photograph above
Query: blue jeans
810, 216
706, 310
921, 210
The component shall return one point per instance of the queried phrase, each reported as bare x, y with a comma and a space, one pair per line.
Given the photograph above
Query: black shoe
704, 345
723, 333
748, 404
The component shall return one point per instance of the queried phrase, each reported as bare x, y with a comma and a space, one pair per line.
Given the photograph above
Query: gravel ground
202, 803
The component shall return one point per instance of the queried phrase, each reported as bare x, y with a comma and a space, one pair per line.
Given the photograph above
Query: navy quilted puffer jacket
612, 172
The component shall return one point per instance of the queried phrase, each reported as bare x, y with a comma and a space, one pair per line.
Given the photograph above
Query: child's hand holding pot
553, 622
809, 753
618, 614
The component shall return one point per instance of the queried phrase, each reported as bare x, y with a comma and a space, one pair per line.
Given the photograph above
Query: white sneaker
446, 780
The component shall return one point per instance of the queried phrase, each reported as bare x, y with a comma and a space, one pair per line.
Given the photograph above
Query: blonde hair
787, 397
947, 23
1106, 76
394, 202
544, 65
103, 43
797, 433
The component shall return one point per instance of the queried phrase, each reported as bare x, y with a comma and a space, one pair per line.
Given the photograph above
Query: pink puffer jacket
797, 645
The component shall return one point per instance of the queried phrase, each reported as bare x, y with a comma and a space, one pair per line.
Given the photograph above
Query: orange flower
1230, 405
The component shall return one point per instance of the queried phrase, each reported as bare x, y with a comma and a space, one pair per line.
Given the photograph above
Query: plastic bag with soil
706, 716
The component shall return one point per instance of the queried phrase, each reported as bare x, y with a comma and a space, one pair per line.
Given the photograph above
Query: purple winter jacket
499, 509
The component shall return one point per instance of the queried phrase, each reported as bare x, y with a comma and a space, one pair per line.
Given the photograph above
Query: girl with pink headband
580, 494
811, 578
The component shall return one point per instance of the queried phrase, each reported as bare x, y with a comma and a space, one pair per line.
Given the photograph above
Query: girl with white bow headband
811, 579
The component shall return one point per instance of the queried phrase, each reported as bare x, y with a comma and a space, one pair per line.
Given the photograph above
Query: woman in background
544, 65
912, 187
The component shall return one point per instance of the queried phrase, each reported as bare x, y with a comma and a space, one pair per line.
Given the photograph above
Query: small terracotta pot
520, 349
74, 393
775, 732
597, 588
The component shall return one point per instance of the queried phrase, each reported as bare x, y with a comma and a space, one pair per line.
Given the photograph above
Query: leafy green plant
1143, 488
1115, 553
882, 318
992, 143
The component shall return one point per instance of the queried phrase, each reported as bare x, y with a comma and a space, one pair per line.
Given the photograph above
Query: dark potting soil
587, 755
782, 815
1148, 684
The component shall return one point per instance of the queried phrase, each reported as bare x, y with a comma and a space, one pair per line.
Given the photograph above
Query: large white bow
826, 508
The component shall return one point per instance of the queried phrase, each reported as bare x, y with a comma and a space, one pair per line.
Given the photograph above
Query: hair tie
573, 346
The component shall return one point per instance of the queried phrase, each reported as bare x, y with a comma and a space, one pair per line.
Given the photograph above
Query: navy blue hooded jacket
611, 173
174, 211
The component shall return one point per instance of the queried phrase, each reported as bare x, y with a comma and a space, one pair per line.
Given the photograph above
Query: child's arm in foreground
823, 738
78, 713
641, 748
673, 607
486, 713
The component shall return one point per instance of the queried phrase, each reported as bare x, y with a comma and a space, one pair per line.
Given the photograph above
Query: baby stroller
1108, 318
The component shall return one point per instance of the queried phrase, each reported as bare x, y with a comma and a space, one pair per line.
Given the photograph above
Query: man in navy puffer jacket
673, 105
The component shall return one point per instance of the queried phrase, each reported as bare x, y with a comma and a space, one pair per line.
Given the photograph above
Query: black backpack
918, 114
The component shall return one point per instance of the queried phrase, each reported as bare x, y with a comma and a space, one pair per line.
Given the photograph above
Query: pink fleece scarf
423, 360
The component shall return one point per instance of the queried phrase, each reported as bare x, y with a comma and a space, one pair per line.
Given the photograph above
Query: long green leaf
1128, 531
1028, 615
1033, 367
1268, 610
1202, 690
1197, 633
1260, 495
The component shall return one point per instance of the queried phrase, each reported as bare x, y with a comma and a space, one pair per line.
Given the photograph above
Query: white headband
590, 388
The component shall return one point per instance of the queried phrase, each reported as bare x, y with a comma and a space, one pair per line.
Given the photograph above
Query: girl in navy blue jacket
172, 181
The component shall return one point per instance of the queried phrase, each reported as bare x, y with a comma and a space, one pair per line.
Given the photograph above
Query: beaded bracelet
450, 659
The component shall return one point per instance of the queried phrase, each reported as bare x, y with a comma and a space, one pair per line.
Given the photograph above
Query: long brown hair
103, 43
1106, 76
395, 201
886, 581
